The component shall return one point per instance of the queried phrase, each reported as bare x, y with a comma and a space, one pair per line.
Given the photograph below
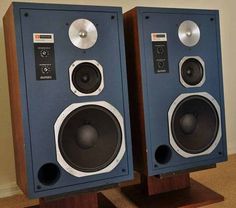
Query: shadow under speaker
176, 89
68, 94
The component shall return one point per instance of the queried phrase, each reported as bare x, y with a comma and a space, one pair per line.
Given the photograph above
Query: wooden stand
171, 192
84, 200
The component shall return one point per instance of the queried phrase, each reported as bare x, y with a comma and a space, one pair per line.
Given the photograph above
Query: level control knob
44, 53
45, 69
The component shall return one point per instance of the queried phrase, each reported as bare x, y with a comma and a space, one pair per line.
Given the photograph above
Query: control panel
44, 56
160, 52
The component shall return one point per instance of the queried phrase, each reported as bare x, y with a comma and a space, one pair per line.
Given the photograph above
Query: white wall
228, 31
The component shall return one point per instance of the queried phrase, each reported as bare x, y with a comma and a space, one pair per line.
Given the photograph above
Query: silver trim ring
58, 124
198, 58
170, 113
72, 87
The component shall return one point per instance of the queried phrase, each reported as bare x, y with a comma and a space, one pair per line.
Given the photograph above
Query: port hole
49, 174
163, 154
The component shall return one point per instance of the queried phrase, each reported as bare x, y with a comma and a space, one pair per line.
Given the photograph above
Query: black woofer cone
192, 71
90, 138
86, 78
195, 124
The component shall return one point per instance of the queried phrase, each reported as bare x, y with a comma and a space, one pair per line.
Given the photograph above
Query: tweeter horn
189, 33
83, 33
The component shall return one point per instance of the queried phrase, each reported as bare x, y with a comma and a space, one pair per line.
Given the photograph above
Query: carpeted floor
221, 179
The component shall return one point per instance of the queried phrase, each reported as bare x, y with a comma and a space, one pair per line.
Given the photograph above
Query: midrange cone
83, 33
189, 33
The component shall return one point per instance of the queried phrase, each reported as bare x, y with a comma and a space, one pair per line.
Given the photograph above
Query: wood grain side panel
194, 196
134, 73
88, 200
15, 99
82, 200
154, 185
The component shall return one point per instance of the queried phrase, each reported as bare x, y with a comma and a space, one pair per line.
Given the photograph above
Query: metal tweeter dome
83, 33
189, 33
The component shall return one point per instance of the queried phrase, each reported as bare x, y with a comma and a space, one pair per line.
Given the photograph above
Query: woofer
192, 71
194, 123
90, 138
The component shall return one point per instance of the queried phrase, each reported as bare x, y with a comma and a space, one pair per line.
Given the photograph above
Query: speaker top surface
31, 5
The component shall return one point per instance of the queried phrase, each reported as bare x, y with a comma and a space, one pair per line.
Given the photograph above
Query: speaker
68, 94
176, 89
